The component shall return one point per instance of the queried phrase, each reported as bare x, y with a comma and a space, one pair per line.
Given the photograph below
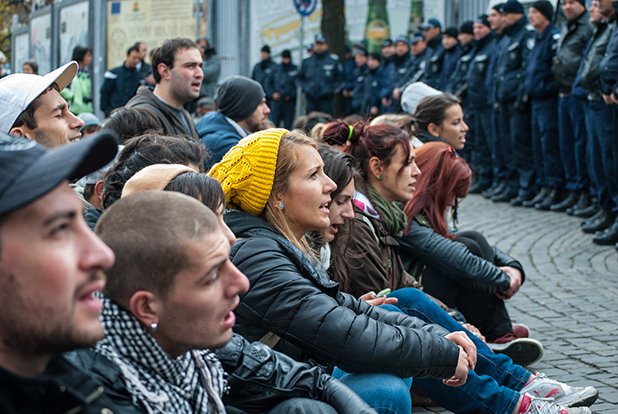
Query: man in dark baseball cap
51, 267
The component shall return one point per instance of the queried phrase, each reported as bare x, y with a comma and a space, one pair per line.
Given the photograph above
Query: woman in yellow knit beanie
277, 192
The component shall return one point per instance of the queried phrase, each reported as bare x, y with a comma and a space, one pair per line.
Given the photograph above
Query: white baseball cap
19, 90
413, 94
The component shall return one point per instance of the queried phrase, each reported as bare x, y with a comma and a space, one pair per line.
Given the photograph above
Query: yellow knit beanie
247, 171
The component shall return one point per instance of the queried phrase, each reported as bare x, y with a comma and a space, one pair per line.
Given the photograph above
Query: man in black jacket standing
121, 83
51, 268
284, 95
575, 34
264, 73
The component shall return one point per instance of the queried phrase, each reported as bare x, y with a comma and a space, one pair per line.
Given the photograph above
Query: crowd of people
155, 262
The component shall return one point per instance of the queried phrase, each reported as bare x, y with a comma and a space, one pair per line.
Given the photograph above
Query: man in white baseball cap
31, 107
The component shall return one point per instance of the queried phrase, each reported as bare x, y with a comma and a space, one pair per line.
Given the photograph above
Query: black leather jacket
591, 61
258, 379
422, 247
292, 296
575, 36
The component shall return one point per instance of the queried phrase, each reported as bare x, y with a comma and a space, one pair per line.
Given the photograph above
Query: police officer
477, 92
400, 68
376, 86
541, 90
609, 85
452, 53
598, 118
514, 112
457, 83
264, 73
575, 34
320, 77
432, 31
284, 95
420, 55
360, 58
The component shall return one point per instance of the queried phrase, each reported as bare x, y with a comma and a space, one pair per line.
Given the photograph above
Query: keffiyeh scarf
193, 382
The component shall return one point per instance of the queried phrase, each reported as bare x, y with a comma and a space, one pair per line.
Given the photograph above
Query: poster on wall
73, 29
21, 52
150, 21
40, 41
277, 23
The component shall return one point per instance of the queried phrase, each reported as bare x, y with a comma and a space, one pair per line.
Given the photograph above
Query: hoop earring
153, 327
280, 205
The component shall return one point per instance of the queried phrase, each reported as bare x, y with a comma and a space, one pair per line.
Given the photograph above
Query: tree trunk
333, 28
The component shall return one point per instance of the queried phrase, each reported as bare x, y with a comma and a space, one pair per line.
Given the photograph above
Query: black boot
553, 197
603, 221
587, 212
583, 202
608, 236
490, 192
540, 196
569, 201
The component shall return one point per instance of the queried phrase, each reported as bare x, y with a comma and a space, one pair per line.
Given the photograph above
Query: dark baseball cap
433, 22
417, 37
319, 38
28, 170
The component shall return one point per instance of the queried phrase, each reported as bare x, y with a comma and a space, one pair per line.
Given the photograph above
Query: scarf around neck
158, 383
392, 215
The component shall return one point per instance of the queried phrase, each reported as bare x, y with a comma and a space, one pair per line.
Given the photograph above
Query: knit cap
247, 171
512, 6
237, 97
154, 177
545, 8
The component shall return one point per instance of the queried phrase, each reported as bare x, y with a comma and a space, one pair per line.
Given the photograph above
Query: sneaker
535, 405
523, 351
563, 394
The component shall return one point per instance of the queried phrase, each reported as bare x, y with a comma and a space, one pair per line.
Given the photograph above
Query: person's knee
386, 393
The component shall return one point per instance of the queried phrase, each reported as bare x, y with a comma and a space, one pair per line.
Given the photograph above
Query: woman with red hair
460, 268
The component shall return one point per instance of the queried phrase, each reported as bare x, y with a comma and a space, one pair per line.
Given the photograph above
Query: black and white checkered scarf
193, 382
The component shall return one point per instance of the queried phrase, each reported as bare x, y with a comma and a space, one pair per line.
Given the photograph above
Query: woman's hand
461, 372
474, 331
461, 339
515, 279
373, 299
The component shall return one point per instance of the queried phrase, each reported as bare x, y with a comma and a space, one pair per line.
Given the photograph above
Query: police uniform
285, 85
320, 77
433, 65
264, 74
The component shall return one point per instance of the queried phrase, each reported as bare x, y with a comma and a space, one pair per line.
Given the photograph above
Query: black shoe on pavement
479, 186
569, 201
601, 213
553, 197
608, 236
504, 196
587, 212
492, 191
540, 196
605, 220
583, 202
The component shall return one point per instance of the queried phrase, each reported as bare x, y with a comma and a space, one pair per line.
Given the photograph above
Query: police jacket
575, 36
349, 74
594, 53
375, 87
258, 379
321, 75
423, 247
608, 75
401, 70
492, 68
457, 82
433, 65
62, 388
539, 82
512, 60
478, 71
417, 67
264, 74
292, 296
358, 92
451, 59
119, 86
285, 80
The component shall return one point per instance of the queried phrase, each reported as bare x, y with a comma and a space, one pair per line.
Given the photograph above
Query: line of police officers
541, 101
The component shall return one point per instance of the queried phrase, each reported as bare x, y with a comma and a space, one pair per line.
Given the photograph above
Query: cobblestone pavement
570, 298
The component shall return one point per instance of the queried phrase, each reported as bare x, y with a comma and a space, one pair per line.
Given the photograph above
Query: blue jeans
493, 386
603, 119
385, 393
572, 142
545, 142
598, 186
482, 149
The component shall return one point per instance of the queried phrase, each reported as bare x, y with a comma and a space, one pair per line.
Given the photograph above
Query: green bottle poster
377, 29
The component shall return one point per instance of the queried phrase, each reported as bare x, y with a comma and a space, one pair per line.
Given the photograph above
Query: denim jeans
482, 150
571, 127
493, 386
385, 393
603, 119
598, 186
545, 142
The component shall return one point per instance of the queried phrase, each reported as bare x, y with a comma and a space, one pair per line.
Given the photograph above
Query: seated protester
170, 300
440, 118
496, 384
140, 152
275, 181
461, 269
51, 266
132, 122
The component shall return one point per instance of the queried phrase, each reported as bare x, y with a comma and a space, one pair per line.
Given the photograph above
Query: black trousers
480, 307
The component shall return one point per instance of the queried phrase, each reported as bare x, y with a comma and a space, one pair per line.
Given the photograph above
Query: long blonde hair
287, 161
